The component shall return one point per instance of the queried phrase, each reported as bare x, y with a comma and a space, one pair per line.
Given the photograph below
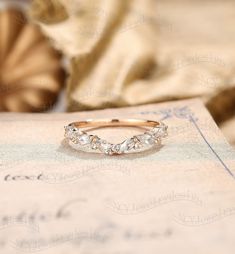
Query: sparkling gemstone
70, 131
84, 139
106, 147
127, 145
116, 148
95, 142
138, 143
146, 139
163, 132
159, 132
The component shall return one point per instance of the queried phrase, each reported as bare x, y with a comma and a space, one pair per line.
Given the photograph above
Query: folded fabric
137, 52
31, 73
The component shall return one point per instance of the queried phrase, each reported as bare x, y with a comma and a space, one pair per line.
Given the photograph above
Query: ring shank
115, 122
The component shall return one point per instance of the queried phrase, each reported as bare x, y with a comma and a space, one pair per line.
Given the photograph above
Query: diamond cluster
79, 139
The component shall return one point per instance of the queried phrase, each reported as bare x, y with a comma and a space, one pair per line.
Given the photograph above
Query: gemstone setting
136, 143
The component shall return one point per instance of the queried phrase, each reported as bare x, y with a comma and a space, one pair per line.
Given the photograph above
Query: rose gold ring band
115, 122
80, 139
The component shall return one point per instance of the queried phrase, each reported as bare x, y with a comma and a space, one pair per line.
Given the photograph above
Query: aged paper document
179, 199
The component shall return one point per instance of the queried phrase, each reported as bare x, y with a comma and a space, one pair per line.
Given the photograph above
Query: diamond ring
79, 139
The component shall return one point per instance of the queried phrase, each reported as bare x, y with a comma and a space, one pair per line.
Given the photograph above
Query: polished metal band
80, 139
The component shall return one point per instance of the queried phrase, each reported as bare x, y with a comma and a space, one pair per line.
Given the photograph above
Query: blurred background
76, 55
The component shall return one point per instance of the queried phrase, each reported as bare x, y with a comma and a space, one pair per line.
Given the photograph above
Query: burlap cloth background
143, 51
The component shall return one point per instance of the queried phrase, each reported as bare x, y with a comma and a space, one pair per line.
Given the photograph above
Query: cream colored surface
179, 199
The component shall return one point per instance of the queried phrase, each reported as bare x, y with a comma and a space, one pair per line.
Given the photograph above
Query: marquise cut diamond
70, 131
159, 131
95, 142
126, 145
84, 139
106, 147
146, 139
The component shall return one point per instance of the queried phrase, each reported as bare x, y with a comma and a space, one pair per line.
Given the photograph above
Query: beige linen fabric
136, 52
